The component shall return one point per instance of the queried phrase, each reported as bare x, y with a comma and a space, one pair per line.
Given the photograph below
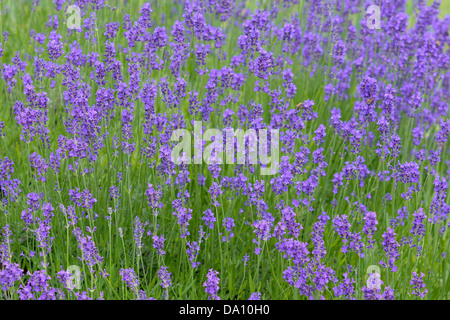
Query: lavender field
224, 149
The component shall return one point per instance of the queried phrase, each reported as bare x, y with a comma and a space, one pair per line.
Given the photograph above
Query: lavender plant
133, 143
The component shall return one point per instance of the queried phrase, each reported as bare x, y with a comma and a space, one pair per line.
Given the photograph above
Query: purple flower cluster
212, 285
418, 285
358, 123
390, 246
166, 282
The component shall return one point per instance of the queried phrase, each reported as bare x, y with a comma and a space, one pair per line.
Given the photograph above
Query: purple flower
320, 135
255, 296
82, 199
114, 192
245, 259
368, 88
138, 233
192, 251
38, 163
212, 285
153, 197
418, 285
345, 288
9, 275
209, 218
262, 230
369, 228
158, 244
88, 248
38, 283
418, 228
215, 192
166, 282
55, 49
390, 246
130, 278
289, 220
439, 210
317, 236
228, 223
184, 215
111, 29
